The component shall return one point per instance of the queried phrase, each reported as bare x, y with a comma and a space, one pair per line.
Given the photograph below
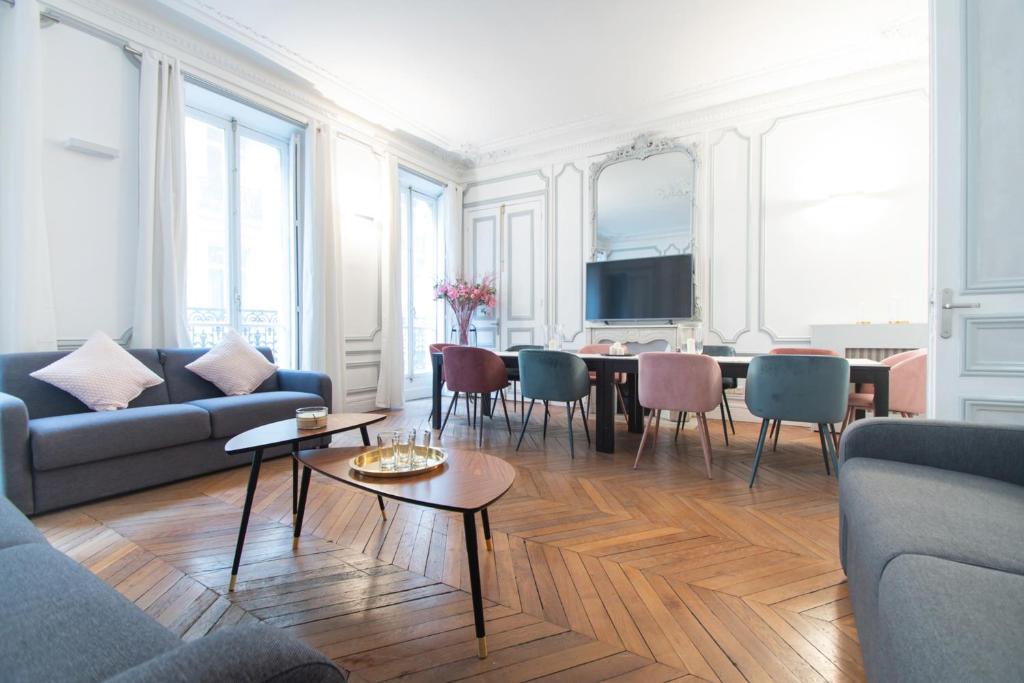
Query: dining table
610, 369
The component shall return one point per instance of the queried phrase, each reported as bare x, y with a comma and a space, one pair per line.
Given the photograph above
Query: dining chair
620, 377
439, 348
686, 382
469, 370
513, 373
553, 376
801, 388
776, 428
727, 383
908, 373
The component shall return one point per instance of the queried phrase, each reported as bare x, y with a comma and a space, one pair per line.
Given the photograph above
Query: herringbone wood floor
598, 572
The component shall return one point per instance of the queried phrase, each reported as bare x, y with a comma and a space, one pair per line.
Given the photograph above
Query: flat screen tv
656, 288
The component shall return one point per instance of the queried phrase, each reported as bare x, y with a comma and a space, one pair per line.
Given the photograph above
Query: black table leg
250, 491
487, 529
635, 416
882, 395
366, 442
295, 480
474, 583
435, 362
605, 427
485, 406
303, 493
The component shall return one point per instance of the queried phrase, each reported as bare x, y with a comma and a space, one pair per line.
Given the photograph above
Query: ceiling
475, 76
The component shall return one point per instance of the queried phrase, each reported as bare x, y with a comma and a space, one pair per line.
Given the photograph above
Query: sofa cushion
233, 365
948, 621
61, 623
231, 415
15, 529
183, 385
46, 400
87, 437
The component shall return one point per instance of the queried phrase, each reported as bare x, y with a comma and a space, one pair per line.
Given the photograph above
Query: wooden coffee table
278, 434
467, 483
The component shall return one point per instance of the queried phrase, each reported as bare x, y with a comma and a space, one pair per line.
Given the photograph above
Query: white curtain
159, 315
323, 339
390, 385
27, 319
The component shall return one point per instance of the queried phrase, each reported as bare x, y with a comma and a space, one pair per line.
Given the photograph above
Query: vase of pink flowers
465, 297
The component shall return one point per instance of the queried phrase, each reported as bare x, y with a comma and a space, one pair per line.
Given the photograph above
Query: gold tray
368, 463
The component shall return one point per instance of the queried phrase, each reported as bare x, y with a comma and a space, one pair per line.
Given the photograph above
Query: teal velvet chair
553, 376
800, 389
513, 373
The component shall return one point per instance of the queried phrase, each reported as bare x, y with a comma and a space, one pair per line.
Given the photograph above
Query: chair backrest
801, 351
798, 387
723, 350
553, 375
474, 370
439, 348
908, 380
515, 348
595, 348
679, 381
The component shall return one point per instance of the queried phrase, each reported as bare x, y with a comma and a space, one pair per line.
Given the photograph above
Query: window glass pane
423, 272
208, 269
406, 301
265, 246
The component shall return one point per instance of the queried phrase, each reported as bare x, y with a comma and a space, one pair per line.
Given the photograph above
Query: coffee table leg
487, 529
254, 475
295, 480
303, 492
474, 583
383, 510
365, 434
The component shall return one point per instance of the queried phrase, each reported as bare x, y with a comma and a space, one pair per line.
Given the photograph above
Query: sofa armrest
307, 381
982, 450
15, 457
252, 654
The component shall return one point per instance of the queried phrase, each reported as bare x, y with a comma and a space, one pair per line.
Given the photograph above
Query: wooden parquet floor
598, 572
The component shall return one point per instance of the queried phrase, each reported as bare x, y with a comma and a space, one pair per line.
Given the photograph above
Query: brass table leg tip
384, 515
295, 543
481, 645
294, 517
232, 582
490, 546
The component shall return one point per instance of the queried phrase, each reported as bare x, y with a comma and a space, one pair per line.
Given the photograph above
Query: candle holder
314, 417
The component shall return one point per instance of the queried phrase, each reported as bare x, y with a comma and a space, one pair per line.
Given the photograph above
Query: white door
522, 296
976, 371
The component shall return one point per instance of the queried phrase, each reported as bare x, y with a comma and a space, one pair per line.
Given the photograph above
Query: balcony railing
206, 327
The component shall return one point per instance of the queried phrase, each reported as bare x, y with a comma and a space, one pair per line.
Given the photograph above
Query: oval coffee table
467, 483
282, 433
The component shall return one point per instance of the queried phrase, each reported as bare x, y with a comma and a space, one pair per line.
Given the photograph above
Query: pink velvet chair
474, 371
686, 382
794, 351
908, 373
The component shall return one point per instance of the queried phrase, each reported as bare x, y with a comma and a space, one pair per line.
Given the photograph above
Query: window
422, 258
241, 261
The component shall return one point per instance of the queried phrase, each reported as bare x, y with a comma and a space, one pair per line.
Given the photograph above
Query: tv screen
658, 288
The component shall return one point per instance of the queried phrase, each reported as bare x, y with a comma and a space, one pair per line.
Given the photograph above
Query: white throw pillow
100, 374
233, 365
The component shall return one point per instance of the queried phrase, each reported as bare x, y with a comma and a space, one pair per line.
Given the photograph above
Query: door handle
946, 328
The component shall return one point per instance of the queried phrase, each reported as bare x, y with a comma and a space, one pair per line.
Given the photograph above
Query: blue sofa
61, 623
55, 452
932, 541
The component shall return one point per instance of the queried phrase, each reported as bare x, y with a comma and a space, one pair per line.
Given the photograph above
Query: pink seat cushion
687, 382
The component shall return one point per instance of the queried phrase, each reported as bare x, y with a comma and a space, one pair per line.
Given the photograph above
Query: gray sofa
61, 623
55, 452
932, 541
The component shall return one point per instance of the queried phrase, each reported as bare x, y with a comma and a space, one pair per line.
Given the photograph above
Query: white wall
91, 92
812, 207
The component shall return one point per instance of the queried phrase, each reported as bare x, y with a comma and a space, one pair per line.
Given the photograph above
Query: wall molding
70, 343
974, 366
533, 267
567, 336
971, 408
380, 289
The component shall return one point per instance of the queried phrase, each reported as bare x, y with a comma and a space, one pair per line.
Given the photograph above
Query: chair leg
758, 451
568, 415
725, 427
586, 427
824, 450
846, 418
622, 400
455, 399
705, 441
657, 425
546, 413
728, 411
480, 436
643, 439
778, 430
470, 418
526, 421
504, 409
832, 449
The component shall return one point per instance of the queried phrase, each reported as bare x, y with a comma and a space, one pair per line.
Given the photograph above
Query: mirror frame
641, 148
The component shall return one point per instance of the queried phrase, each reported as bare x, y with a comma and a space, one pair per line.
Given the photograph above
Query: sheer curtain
159, 315
27, 320
390, 385
322, 338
